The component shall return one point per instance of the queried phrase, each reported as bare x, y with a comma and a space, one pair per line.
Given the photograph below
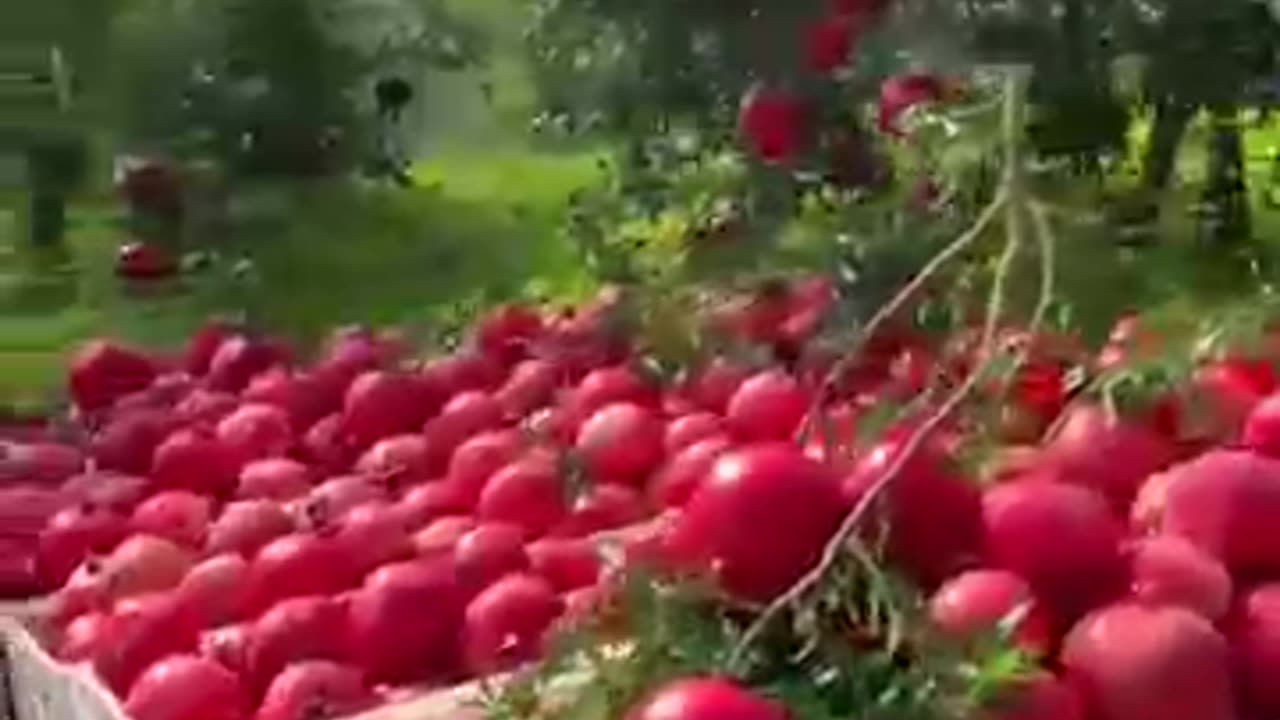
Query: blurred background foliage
551, 145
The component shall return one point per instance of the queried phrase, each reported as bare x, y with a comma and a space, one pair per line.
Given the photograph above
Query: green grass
479, 226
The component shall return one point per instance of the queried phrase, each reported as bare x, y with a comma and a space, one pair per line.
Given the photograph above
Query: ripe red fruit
508, 331
1131, 661
204, 408
601, 508
1262, 428
25, 510
374, 533
465, 415
1255, 639
305, 397
227, 645
244, 527
256, 431
618, 384
128, 442
106, 490
1230, 389
140, 631
276, 478
773, 121
203, 344
402, 625
1109, 454
316, 689
683, 473
216, 590
324, 447
1061, 538
41, 463
1226, 502
974, 603
401, 459
706, 698
186, 687
72, 536
352, 350
477, 459
299, 564
144, 564
768, 406
860, 9
531, 385
463, 371
505, 625
337, 496
441, 536
828, 42
176, 515
713, 386
1168, 570
1043, 697
759, 521
932, 517
83, 636
143, 260
568, 563
621, 443
299, 628
527, 493
381, 404
900, 93
425, 503
689, 429
488, 552
197, 461
239, 358
102, 372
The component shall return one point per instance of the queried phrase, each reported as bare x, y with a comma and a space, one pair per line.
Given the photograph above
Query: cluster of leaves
856, 651
274, 87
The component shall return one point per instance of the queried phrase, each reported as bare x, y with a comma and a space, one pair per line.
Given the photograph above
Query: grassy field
478, 226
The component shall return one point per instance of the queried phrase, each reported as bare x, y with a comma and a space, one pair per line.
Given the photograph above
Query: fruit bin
35, 686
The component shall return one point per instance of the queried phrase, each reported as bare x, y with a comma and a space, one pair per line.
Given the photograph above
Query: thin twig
835, 547
904, 296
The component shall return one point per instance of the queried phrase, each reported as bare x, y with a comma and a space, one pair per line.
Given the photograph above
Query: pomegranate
706, 698
102, 372
176, 515
505, 625
186, 687
256, 431
274, 478
73, 535
759, 520
315, 689
487, 553
621, 443
245, 526
774, 122
767, 406
402, 625
197, 461
216, 589
299, 628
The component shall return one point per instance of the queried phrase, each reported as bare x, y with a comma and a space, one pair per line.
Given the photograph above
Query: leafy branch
1013, 198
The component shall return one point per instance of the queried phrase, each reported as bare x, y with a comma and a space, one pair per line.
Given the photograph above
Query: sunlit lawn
478, 226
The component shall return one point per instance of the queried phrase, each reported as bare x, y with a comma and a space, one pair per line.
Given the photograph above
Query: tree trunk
1226, 197
1171, 121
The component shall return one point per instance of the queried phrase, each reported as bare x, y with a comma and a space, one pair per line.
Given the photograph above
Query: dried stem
1012, 189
